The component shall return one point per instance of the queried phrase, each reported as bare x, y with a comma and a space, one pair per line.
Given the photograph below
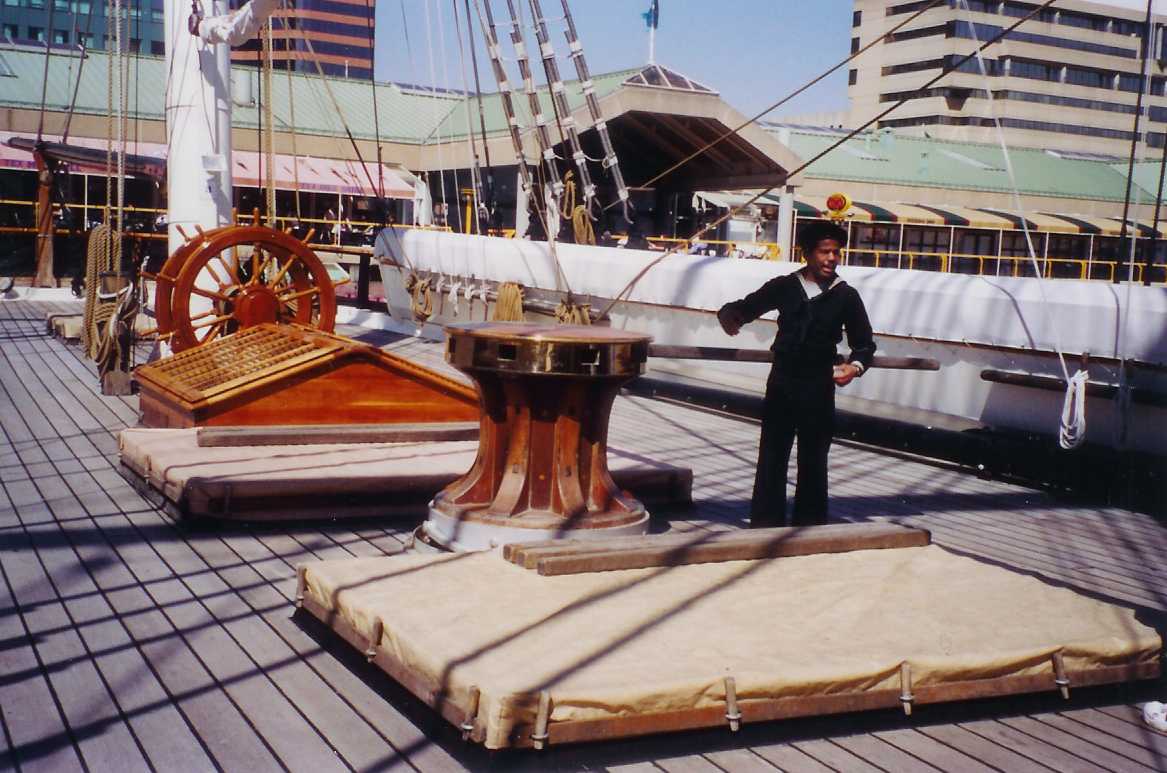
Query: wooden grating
250, 353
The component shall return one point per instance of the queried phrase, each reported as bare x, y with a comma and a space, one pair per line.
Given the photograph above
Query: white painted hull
968, 324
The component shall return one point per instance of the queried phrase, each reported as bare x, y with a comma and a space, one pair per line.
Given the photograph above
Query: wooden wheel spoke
215, 275
218, 320
293, 296
267, 259
230, 271
256, 251
209, 294
283, 271
213, 332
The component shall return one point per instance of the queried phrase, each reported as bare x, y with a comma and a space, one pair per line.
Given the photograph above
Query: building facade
74, 22
1067, 79
341, 32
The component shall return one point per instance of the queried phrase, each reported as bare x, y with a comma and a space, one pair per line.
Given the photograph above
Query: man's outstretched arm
740, 312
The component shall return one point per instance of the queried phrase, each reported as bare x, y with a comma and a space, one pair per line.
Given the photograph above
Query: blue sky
752, 51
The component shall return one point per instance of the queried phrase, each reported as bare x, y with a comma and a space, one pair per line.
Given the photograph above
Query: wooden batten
290, 374
558, 557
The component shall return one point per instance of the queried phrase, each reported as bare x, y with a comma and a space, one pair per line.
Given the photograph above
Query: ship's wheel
238, 276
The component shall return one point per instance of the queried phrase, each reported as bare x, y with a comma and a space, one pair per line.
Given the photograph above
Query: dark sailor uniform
800, 392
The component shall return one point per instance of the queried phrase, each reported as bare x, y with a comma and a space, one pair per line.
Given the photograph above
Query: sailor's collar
811, 287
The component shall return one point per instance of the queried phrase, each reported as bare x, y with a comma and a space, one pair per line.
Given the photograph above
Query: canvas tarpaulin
633, 642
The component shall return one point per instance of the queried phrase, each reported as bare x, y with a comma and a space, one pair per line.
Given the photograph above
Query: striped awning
1034, 221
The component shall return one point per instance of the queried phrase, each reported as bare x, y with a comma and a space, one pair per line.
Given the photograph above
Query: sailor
814, 307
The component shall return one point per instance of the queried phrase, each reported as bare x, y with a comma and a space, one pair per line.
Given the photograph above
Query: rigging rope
446, 81
490, 33
481, 110
475, 170
1073, 424
546, 149
733, 211
369, 13
268, 129
434, 110
292, 122
732, 132
559, 103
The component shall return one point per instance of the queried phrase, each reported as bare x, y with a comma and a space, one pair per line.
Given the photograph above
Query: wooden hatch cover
292, 374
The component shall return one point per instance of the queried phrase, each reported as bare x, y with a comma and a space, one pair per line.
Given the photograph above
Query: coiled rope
568, 312
97, 311
421, 297
508, 307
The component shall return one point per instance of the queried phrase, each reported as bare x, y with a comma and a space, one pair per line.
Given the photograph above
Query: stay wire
369, 13
1072, 431
481, 109
847, 137
731, 132
1130, 169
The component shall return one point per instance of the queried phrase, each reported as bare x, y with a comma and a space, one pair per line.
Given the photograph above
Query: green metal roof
404, 114
1146, 177
454, 124
896, 159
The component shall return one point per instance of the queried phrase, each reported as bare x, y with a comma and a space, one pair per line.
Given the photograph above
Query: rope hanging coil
1073, 427
98, 260
581, 225
508, 307
421, 298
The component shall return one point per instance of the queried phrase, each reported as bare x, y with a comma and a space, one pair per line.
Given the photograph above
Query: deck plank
186, 634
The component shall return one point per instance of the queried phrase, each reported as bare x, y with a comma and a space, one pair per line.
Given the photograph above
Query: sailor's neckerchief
812, 290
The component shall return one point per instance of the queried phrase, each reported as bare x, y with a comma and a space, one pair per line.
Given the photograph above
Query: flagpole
652, 45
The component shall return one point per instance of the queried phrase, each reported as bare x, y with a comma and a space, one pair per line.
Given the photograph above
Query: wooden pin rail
729, 354
1056, 384
308, 434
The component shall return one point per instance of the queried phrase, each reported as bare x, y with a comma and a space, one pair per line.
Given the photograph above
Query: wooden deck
129, 642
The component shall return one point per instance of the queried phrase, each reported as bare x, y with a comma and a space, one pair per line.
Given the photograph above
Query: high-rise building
70, 22
1067, 79
340, 32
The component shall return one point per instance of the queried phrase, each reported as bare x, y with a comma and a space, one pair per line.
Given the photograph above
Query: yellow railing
951, 262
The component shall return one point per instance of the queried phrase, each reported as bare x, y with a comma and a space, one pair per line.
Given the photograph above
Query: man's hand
731, 319
846, 373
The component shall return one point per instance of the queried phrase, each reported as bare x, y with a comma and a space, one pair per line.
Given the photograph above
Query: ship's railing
1004, 265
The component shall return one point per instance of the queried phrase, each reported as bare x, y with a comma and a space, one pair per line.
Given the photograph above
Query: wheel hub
255, 305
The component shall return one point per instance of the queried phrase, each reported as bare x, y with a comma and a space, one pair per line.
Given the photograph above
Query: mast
611, 163
198, 126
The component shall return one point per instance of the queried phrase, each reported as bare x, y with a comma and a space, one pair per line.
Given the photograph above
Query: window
61, 5
135, 45
12, 3
61, 37
856, 18
1130, 82
158, 48
930, 64
86, 39
852, 77
11, 31
36, 33
854, 45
